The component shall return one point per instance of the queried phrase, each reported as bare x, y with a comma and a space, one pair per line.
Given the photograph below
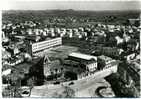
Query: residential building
130, 56
111, 51
52, 67
6, 72
108, 51
133, 21
105, 62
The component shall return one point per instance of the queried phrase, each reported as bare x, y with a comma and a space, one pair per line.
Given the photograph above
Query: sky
75, 5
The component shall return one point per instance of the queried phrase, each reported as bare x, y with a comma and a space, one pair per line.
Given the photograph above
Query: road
83, 88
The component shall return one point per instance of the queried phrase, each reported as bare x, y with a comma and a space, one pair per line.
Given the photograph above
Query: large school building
42, 45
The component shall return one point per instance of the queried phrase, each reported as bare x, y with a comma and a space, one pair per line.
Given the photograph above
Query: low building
130, 56
113, 52
133, 21
6, 72
52, 68
87, 60
105, 62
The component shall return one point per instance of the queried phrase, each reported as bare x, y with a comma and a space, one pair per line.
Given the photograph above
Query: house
111, 51
108, 51
33, 38
130, 57
29, 31
52, 68
6, 72
5, 54
133, 21
132, 44
105, 62
119, 40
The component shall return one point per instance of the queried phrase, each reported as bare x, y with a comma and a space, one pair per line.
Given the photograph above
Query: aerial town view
90, 50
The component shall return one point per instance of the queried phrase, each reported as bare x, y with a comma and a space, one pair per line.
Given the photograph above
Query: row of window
108, 66
48, 41
54, 71
43, 45
109, 61
92, 67
111, 52
84, 75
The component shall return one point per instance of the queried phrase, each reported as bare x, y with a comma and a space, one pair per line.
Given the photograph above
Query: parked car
25, 91
56, 82
71, 83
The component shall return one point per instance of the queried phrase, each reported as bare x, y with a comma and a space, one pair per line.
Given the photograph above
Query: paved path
98, 90
82, 87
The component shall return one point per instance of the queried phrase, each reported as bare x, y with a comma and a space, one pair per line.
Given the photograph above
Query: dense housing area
50, 52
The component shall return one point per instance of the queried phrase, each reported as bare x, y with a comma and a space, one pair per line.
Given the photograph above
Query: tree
137, 23
119, 86
68, 92
70, 75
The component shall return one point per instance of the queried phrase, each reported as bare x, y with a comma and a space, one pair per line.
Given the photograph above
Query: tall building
35, 47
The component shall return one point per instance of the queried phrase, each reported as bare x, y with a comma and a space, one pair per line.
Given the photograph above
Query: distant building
119, 40
3, 35
5, 54
29, 31
134, 21
33, 38
130, 56
51, 68
6, 72
132, 44
111, 51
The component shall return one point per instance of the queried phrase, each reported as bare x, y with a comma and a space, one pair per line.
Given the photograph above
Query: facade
105, 66
105, 62
110, 51
35, 47
51, 67
132, 21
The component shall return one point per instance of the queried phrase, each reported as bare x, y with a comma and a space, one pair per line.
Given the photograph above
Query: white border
4, 5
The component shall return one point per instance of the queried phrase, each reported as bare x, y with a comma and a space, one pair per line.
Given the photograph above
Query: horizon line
67, 10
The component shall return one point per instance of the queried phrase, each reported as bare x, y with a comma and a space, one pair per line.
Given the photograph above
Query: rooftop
82, 56
103, 57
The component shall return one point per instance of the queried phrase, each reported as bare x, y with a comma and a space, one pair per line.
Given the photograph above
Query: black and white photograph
70, 49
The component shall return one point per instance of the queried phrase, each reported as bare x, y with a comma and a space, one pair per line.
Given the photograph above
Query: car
71, 83
25, 91
56, 82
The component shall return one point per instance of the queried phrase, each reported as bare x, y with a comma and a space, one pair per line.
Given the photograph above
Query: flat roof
82, 56
104, 57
